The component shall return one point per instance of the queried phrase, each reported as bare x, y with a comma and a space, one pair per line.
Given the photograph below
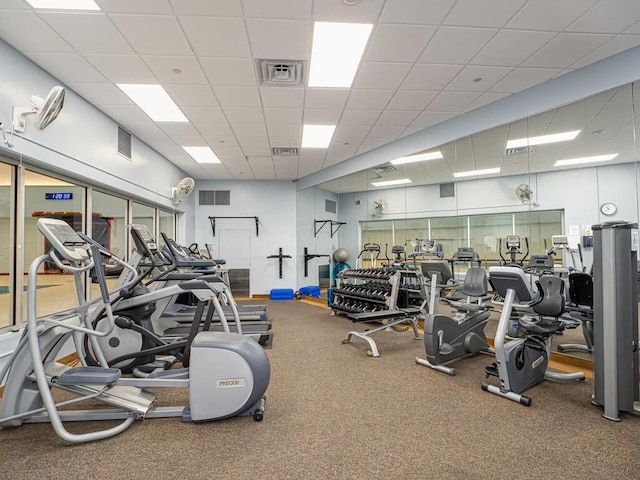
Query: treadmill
168, 326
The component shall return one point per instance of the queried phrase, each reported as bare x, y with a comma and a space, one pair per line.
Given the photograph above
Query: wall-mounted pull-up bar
308, 256
213, 223
333, 223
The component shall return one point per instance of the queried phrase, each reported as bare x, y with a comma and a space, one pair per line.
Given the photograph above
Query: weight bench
389, 319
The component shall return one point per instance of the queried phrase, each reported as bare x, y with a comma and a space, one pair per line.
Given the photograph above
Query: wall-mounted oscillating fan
525, 195
185, 187
46, 110
379, 207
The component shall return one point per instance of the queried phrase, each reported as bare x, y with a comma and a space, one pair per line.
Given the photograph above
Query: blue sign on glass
58, 196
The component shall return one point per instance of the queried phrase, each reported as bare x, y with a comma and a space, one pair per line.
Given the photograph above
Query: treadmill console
144, 235
465, 254
560, 241
64, 239
513, 241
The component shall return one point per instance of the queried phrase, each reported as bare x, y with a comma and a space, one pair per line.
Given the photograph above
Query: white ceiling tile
280, 97
427, 119
217, 8
216, 37
153, 34
243, 130
230, 96
384, 76
203, 114
359, 117
279, 39
334, 11
488, 13
215, 130
294, 131
566, 49
410, 130
277, 9
88, 32
416, 11
122, 68
255, 146
125, 113
456, 45
244, 114
14, 5
398, 43
283, 115
511, 47
465, 81
633, 29
411, 100
613, 46
100, 93
215, 140
379, 131
178, 129
549, 14
452, 101
351, 131
192, 95
369, 99
522, 78
190, 140
371, 143
321, 116
430, 77
289, 141
150, 133
229, 71
396, 118
183, 70
41, 37
67, 67
148, 7
487, 98
349, 145
326, 97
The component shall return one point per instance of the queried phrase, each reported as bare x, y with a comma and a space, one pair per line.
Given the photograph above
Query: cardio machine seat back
581, 290
549, 307
504, 278
475, 286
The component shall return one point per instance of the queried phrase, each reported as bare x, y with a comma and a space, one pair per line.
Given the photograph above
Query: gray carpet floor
334, 413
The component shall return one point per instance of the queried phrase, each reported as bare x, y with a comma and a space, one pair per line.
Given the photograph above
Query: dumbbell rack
385, 295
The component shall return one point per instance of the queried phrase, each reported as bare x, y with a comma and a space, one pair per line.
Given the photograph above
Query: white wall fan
379, 207
524, 193
185, 187
46, 110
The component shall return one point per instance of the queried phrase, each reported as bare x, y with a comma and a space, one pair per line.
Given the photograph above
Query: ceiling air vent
284, 151
517, 151
280, 72
384, 169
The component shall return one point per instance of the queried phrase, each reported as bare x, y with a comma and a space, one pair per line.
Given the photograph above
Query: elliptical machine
447, 338
521, 363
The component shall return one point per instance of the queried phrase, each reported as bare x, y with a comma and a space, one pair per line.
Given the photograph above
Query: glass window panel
379, 233
166, 224
486, 230
6, 247
143, 215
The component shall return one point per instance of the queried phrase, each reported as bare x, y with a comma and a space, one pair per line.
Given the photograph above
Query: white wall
274, 203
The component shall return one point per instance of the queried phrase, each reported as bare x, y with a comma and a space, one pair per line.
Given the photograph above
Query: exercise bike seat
475, 286
549, 306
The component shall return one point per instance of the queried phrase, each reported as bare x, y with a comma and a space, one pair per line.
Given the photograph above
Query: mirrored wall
556, 173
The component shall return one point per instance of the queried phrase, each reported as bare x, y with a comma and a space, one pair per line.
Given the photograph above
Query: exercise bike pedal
445, 349
492, 370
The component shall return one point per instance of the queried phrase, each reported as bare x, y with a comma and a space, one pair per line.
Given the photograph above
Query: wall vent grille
214, 197
329, 206
447, 190
124, 142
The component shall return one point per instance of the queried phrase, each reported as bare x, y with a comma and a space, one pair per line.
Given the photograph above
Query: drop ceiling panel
396, 118
190, 140
566, 49
100, 93
219, 140
41, 37
183, 70
369, 99
278, 9
486, 98
148, 7
216, 37
351, 131
230, 96
178, 129
244, 115
203, 114
122, 68
281, 97
88, 32
489, 13
416, 11
67, 67
371, 143
249, 130
453, 101
359, 117
411, 100
512, 47
153, 34
279, 39
549, 14
334, 11
430, 77
151, 133
192, 95
229, 71
523, 78
125, 113
427, 119
456, 45
398, 43
255, 146
382, 131
326, 97
220, 8
321, 116
613, 46
475, 78
283, 115
381, 75
294, 131
287, 142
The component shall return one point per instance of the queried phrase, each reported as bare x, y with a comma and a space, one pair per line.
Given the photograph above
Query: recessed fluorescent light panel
541, 140
473, 173
317, 136
154, 101
202, 154
577, 161
336, 53
417, 158
64, 4
391, 182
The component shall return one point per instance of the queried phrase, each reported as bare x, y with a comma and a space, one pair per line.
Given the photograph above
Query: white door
235, 248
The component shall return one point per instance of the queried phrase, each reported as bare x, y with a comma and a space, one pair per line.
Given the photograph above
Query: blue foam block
281, 294
311, 291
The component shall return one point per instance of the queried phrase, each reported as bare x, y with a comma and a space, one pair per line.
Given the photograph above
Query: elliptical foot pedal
89, 376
